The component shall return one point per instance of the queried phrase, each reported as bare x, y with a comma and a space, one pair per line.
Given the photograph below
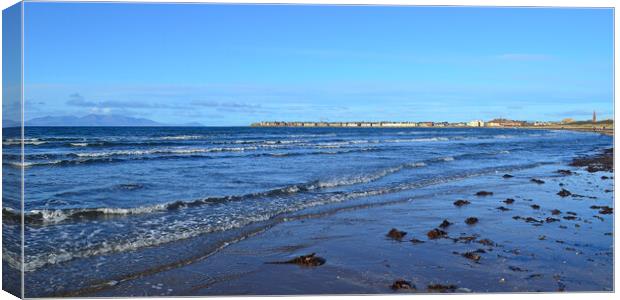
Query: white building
475, 123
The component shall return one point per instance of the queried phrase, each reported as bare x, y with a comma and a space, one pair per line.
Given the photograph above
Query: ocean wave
37, 261
503, 136
180, 229
334, 152
181, 137
313, 135
64, 162
431, 139
171, 139
359, 142
59, 138
47, 216
119, 143
160, 151
33, 141
283, 142
11, 215
12, 259
28, 164
37, 160
117, 156
332, 144
263, 142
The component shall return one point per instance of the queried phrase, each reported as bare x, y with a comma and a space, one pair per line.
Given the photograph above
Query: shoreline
606, 131
580, 128
603, 131
523, 245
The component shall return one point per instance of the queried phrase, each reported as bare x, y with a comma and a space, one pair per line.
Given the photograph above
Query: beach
272, 211
256, 149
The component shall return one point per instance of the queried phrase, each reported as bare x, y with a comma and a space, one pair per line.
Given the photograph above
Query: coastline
604, 131
519, 246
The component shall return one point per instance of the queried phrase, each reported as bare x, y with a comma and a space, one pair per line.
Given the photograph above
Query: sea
106, 203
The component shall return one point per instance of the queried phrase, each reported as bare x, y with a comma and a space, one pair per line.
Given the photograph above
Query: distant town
499, 122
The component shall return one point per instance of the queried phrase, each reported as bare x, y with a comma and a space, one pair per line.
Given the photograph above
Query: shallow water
93, 194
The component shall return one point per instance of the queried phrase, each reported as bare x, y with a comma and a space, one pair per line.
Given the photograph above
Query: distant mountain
97, 120
190, 124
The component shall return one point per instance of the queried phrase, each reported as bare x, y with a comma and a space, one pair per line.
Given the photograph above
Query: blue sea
101, 202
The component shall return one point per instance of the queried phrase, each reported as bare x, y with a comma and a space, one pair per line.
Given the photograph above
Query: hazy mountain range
98, 120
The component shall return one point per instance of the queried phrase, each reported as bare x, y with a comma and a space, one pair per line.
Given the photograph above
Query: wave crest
51, 216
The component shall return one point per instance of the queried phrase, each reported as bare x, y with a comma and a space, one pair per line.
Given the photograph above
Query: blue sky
236, 64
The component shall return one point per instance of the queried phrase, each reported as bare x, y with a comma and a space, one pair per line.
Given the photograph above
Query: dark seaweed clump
310, 260
600, 162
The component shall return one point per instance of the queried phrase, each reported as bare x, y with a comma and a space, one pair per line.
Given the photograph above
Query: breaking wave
46, 216
159, 151
11, 142
79, 144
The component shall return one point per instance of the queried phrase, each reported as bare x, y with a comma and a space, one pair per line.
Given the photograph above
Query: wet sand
556, 234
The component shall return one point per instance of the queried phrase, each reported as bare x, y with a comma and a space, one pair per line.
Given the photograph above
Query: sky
231, 65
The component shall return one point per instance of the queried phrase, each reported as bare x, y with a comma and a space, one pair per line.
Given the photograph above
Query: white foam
181, 137
162, 151
58, 215
433, 139
34, 141
25, 164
